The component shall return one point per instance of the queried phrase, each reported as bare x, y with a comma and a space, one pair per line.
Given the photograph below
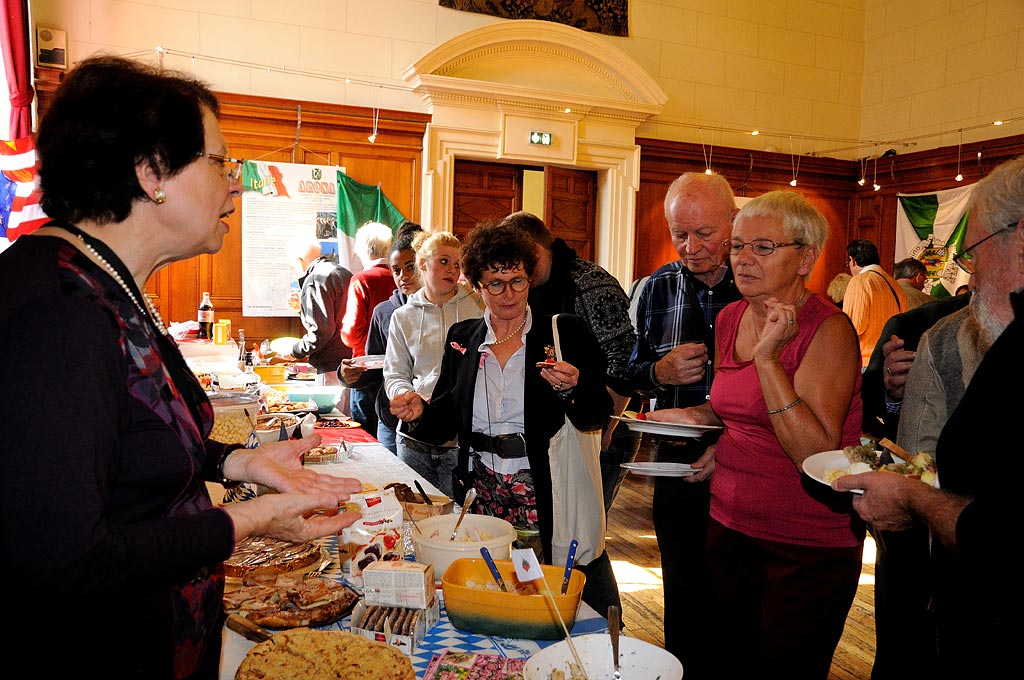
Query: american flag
19, 198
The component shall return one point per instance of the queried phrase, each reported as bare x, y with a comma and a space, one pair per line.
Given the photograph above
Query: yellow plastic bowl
474, 604
275, 373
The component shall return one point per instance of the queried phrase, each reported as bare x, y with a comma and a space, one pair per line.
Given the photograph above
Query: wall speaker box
51, 47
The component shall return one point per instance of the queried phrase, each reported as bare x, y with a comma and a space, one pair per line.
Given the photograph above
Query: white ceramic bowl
638, 660
431, 545
267, 436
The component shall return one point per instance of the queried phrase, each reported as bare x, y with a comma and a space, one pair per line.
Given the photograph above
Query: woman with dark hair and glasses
504, 408
106, 517
784, 553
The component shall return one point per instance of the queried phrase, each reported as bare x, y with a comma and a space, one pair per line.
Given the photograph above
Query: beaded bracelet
773, 411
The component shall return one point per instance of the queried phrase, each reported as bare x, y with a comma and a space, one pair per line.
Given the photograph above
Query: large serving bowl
431, 545
326, 398
475, 603
638, 660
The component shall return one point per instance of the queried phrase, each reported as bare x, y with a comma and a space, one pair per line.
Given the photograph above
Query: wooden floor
633, 549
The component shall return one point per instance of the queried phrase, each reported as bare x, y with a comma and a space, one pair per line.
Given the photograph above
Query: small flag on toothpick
526, 565
528, 569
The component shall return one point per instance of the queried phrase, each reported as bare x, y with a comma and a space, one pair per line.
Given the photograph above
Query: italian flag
930, 227
357, 205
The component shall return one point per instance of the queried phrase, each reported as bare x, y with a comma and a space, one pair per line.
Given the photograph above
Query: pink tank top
756, 488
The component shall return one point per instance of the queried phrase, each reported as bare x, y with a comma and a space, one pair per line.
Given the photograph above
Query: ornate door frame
489, 88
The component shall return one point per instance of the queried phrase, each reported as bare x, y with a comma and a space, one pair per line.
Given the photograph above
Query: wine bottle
205, 317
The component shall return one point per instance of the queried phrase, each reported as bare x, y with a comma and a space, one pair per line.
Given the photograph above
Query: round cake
261, 556
301, 654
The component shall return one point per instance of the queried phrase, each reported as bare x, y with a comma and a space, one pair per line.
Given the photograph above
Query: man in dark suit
902, 589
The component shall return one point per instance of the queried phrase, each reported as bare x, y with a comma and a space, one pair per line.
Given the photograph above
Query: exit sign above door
542, 138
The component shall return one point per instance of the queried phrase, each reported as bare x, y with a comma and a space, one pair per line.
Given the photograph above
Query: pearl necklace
513, 333
153, 314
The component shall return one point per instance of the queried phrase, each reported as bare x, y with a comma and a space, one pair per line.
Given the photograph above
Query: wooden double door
486, 191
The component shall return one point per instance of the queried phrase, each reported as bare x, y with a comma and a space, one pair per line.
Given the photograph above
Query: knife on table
419, 487
248, 629
569, 561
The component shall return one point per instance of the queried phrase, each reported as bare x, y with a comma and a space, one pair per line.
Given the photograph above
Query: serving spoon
470, 497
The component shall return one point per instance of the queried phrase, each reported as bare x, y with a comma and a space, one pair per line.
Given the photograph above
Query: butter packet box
400, 627
399, 583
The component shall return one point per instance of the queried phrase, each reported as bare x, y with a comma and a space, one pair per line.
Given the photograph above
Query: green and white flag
930, 227
357, 205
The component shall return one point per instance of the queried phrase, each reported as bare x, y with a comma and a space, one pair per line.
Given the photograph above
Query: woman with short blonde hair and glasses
784, 552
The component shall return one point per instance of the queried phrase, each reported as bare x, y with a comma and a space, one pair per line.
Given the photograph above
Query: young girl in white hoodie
416, 343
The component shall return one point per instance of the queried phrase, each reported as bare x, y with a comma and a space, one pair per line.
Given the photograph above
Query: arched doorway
490, 89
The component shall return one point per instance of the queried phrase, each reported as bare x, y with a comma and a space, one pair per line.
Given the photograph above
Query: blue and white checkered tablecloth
443, 636
375, 464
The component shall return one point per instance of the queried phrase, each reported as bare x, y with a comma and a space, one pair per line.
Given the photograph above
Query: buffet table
372, 463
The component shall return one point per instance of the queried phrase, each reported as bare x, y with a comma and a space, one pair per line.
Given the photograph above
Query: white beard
989, 319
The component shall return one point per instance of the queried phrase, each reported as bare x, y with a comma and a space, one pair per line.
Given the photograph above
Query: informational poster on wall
284, 204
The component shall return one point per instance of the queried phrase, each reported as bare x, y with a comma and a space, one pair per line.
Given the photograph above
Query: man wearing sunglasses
955, 404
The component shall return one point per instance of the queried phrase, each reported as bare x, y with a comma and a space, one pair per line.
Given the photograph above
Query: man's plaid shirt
664, 314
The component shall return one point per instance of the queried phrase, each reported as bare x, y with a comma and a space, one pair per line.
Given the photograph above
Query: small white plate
660, 469
667, 429
370, 360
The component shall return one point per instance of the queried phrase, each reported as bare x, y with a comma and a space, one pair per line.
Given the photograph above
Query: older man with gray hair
975, 515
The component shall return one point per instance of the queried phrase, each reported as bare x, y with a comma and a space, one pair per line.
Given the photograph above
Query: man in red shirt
372, 285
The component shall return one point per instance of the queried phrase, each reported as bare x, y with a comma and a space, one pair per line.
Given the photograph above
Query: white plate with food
826, 466
637, 659
660, 469
370, 360
667, 429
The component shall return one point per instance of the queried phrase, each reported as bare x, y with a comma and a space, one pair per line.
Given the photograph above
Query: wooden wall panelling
826, 183
921, 172
261, 128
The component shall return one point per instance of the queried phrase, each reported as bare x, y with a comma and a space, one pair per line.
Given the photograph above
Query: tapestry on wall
610, 17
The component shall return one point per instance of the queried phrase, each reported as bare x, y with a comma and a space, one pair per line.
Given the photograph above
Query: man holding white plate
672, 363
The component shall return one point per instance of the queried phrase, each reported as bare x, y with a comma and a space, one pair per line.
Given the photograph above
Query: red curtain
14, 38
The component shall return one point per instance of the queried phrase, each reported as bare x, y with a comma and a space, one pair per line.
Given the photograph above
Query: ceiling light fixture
794, 161
874, 182
863, 171
755, 133
376, 117
707, 154
959, 175
997, 122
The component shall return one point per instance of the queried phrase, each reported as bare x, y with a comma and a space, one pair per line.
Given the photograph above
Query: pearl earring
159, 197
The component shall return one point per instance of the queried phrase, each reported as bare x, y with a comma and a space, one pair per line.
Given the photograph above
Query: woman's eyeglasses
964, 260
760, 246
232, 166
518, 285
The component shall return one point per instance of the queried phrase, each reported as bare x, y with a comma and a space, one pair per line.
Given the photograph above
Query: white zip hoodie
416, 340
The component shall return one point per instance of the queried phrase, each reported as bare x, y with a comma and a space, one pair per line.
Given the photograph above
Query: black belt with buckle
502, 445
